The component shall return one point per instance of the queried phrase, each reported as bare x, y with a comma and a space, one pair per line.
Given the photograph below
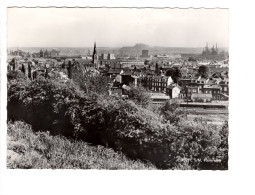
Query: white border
237, 180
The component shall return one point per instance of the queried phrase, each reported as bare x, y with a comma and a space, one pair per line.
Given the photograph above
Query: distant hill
137, 50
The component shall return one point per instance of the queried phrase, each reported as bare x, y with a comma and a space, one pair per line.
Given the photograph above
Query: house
201, 97
214, 90
192, 89
185, 81
127, 78
113, 72
156, 83
201, 83
207, 89
173, 91
224, 86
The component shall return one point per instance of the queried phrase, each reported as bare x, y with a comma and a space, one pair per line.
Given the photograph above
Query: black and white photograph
117, 88
126, 97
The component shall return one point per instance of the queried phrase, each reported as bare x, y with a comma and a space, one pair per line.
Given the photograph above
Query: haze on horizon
116, 27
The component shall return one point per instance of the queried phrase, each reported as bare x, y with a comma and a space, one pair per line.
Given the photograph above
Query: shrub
171, 112
139, 95
46, 104
62, 108
90, 82
29, 150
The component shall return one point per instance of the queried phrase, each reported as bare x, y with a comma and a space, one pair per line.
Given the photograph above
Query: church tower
94, 57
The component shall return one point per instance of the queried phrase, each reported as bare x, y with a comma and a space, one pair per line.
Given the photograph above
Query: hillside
137, 50
29, 150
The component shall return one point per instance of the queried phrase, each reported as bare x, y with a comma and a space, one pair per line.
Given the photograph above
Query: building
130, 63
173, 91
47, 54
104, 56
110, 56
54, 53
214, 90
95, 56
162, 57
208, 52
145, 54
184, 81
112, 73
156, 83
224, 86
191, 90
19, 53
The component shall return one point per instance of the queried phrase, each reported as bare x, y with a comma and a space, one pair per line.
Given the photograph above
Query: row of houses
193, 88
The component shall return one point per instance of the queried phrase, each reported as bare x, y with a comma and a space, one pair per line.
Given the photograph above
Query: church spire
94, 57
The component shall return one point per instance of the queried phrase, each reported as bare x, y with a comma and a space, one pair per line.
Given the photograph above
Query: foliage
29, 150
203, 71
15, 75
139, 95
172, 113
175, 73
157, 70
46, 104
191, 59
163, 139
91, 82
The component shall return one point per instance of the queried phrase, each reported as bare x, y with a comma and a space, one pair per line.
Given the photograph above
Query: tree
175, 73
23, 68
171, 112
191, 59
29, 71
69, 69
157, 71
139, 95
203, 71
13, 63
89, 81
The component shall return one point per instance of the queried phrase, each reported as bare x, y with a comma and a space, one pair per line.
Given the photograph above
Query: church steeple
94, 57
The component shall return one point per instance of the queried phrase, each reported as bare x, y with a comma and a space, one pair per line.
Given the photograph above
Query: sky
116, 27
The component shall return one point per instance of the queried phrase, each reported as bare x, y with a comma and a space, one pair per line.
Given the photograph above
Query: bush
171, 112
122, 124
46, 104
90, 83
139, 95
29, 150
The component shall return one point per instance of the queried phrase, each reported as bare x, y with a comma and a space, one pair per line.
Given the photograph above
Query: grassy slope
29, 150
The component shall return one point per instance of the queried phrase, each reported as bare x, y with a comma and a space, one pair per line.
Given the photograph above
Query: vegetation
139, 95
91, 83
192, 59
40, 150
157, 70
172, 112
203, 71
161, 137
175, 74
